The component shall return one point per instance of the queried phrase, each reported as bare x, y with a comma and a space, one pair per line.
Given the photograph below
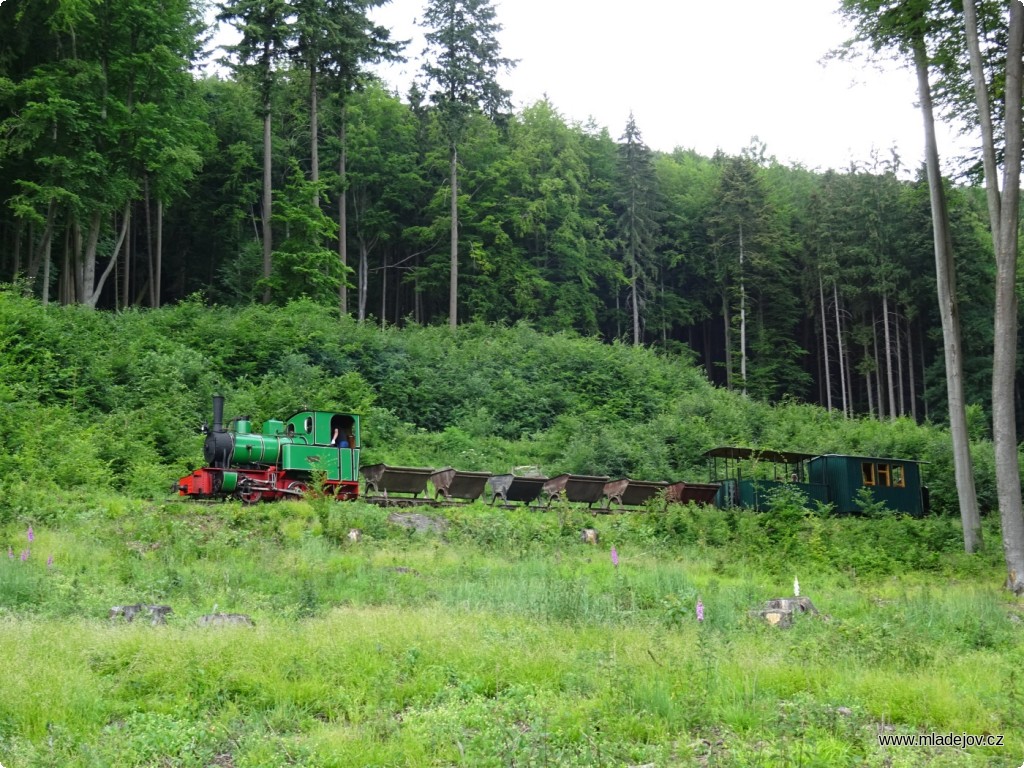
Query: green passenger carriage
750, 477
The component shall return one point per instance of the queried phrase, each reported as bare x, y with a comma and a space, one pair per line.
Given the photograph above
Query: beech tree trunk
93, 288
1004, 219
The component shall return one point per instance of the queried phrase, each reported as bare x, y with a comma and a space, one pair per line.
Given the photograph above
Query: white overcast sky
701, 75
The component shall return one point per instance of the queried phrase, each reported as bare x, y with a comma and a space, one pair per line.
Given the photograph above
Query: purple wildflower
24, 554
49, 561
700, 610
615, 557
10, 553
31, 535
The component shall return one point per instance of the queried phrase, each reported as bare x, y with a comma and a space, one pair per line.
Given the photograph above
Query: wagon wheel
250, 496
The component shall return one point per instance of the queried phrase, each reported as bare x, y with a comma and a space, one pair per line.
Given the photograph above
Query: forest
499, 639
491, 288
132, 178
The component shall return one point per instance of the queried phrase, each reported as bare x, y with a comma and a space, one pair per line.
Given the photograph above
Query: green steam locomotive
281, 461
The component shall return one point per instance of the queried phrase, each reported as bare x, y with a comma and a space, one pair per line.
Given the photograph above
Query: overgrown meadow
501, 639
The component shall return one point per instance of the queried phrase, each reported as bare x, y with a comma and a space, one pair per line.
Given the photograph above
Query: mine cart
455, 484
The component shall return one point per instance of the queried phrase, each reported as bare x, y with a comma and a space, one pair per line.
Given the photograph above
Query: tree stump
779, 611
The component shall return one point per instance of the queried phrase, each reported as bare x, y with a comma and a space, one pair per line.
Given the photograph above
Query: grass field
503, 641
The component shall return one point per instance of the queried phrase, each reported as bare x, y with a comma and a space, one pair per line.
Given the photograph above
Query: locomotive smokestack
218, 413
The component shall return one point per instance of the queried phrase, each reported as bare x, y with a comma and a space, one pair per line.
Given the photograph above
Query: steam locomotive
282, 461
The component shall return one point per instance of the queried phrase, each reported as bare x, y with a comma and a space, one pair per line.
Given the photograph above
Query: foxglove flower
31, 535
700, 610
615, 556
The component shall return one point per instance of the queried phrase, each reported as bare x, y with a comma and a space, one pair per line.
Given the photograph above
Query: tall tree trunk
924, 378
824, 343
126, 285
879, 398
314, 135
899, 365
89, 259
1004, 218
843, 368
79, 258
94, 287
46, 250
417, 297
743, 320
618, 315
343, 216
867, 384
66, 294
364, 269
727, 327
268, 238
887, 337
32, 268
912, 383
384, 289
159, 264
664, 314
148, 206
633, 300
19, 228
453, 285
47, 253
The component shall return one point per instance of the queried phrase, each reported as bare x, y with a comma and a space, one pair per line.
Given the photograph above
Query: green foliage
303, 265
484, 398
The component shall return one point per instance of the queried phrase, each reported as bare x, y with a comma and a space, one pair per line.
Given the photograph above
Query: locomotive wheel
250, 496
298, 487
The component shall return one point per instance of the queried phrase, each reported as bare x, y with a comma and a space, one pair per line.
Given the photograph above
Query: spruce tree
638, 219
462, 61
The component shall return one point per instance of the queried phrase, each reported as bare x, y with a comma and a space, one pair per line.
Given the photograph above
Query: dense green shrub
124, 395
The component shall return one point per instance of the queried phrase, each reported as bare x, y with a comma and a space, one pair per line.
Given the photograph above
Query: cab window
883, 475
899, 480
867, 473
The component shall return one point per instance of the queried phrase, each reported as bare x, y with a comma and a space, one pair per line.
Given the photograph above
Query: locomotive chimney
218, 413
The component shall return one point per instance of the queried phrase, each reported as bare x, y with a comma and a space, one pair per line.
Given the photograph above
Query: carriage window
867, 473
883, 474
898, 478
